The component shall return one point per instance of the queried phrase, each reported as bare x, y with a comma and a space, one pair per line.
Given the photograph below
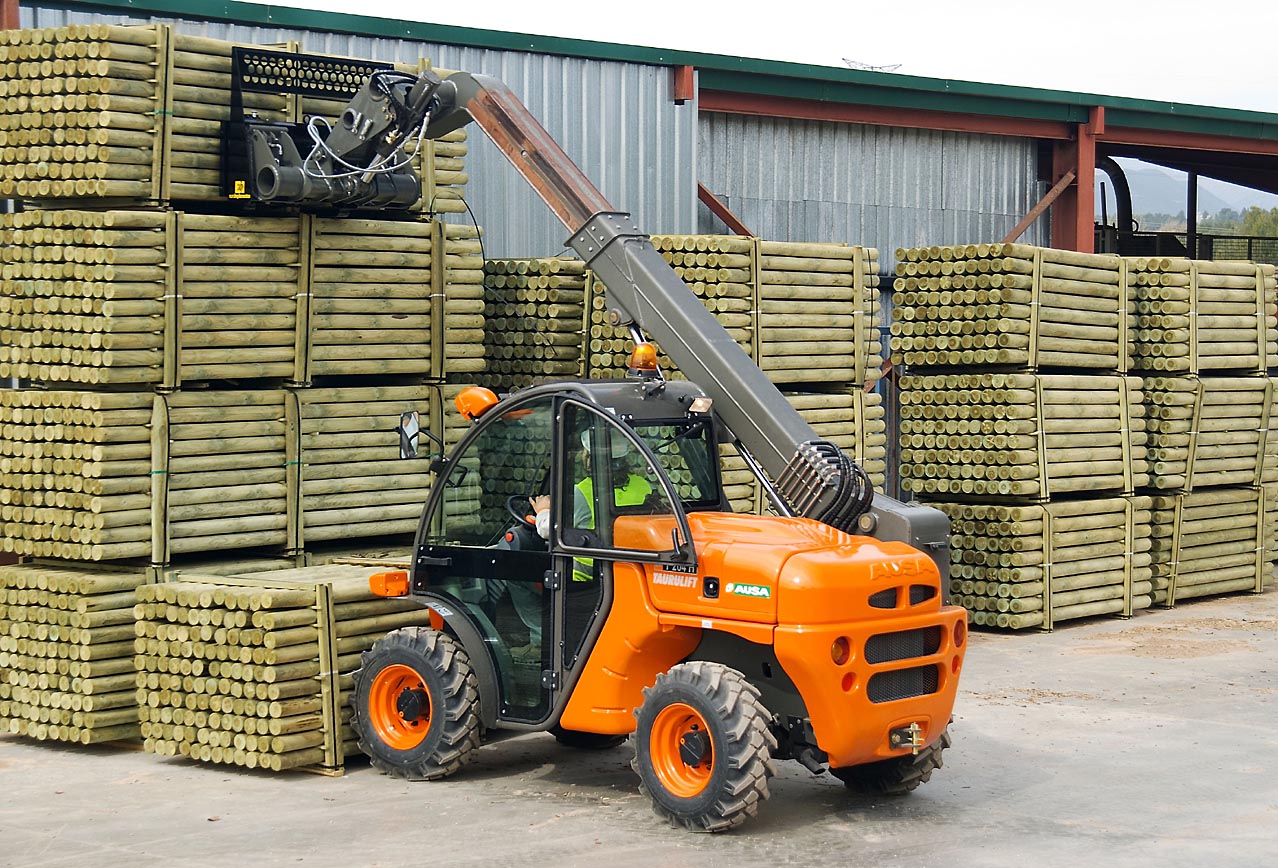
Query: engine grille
902, 684
885, 599
886, 647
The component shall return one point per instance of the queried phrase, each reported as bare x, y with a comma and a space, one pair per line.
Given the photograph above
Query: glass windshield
684, 450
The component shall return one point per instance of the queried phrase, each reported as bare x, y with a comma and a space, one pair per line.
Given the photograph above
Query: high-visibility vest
633, 493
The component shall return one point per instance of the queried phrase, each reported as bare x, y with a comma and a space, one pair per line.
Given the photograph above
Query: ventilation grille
903, 684
884, 599
886, 647
921, 594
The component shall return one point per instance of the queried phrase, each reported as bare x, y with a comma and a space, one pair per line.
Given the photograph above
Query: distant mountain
1156, 190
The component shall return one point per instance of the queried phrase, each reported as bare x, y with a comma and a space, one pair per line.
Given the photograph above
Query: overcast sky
1218, 54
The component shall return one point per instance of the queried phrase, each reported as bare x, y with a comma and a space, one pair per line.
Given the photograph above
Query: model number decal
744, 590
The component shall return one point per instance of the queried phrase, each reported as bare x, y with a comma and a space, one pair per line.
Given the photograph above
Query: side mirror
410, 428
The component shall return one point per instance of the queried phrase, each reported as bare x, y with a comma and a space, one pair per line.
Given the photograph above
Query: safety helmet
619, 446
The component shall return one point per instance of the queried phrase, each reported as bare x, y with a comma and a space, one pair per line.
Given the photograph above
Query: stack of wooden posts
1208, 431
808, 314
239, 281
66, 654
818, 313
353, 481
85, 109
370, 305
1214, 541
1030, 566
82, 297
75, 477
1198, 316
462, 291
1022, 435
1209, 331
254, 670
1017, 408
534, 310
221, 478
995, 305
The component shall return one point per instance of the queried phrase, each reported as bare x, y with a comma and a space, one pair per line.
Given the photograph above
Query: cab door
614, 503
473, 554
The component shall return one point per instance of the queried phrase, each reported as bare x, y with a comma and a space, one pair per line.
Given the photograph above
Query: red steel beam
816, 110
1037, 211
720, 210
9, 17
1190, 141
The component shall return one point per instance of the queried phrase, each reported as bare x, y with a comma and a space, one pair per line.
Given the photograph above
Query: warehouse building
694, 142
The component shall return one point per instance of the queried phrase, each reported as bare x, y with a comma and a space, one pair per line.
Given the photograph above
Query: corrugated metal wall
617, 121
882, 187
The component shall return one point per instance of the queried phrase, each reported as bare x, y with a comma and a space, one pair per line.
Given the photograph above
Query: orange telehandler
642, 607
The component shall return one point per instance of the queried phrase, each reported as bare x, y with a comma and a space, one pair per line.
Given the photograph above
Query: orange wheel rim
682, 750
399, 707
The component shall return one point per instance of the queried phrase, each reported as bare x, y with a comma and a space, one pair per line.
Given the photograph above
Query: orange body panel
632, 650
793, 584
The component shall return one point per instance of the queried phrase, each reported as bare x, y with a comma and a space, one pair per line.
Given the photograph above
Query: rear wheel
896, 776
415, 705
703, 747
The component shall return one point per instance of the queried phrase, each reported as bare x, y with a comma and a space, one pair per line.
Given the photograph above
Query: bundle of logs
75, 477
1197, 316
66, 654
1214, 541
370, 305
1022, 435
1011, 305
84, 112
806, 313
1029, 566
254, 670
166, 299
1209, 431
353, 481
533, 310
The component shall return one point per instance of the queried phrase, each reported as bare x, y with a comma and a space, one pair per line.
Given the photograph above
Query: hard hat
619, 447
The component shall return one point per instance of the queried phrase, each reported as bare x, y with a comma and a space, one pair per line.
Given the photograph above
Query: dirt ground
1110, 742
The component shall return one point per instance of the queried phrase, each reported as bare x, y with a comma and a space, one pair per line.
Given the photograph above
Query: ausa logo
742, 590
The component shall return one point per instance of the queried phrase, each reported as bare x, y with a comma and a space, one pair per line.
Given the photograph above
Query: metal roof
749, 75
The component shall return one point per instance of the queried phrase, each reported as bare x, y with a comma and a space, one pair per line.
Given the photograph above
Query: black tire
728, 781
897, 776
586, 740
412, 667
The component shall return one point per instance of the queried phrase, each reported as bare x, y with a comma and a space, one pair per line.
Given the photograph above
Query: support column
1074, 213
9, 16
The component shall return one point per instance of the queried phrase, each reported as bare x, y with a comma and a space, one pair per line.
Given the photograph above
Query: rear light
840, 651
960, 633
389, 584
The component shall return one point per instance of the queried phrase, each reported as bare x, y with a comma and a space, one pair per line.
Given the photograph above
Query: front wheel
415, 705
896, 776
703, 749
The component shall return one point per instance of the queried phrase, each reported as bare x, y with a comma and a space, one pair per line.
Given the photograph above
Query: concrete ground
1107, 743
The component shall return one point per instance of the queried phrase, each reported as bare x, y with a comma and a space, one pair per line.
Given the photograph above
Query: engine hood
783, 570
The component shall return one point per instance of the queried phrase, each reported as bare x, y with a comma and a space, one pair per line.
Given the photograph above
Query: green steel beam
739, 74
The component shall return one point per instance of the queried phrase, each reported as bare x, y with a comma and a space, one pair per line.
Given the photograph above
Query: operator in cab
632, 490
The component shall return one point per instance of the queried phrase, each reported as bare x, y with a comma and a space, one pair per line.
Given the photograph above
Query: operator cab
601, 451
